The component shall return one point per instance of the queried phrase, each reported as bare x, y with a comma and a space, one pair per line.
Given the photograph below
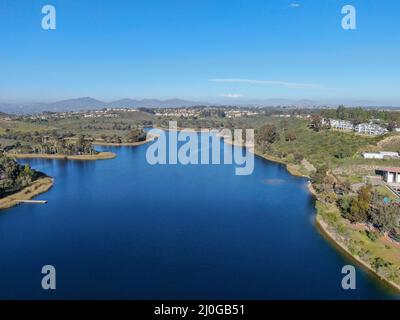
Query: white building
371, 129
389, 154
372, 155
390, 175
380, 155
341, 124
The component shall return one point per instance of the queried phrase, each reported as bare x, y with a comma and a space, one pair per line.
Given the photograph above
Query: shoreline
323, 227
320, 224
124, 144
84, 157
289, 167
37, 187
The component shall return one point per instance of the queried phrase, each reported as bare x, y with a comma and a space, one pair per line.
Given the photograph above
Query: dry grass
37, 187
85, 157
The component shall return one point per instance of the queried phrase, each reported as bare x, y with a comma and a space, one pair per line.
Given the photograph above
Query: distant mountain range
88, 103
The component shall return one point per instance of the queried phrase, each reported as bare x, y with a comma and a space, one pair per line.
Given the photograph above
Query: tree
316, 122
136, 135
298, 157
357, 208
290, 136
358, 211
343, 152
13, 176
320, 174
386, 217
392, 125
268, 133
379, 263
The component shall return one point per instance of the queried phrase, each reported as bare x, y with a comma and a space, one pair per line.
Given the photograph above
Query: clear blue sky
191, 48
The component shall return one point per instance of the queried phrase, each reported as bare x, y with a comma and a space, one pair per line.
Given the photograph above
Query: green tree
267, 133
316, 122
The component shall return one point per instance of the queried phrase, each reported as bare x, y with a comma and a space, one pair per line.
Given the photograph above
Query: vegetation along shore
19, 182
82, 157
37, 187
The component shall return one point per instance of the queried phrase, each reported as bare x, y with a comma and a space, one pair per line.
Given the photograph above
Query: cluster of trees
368, 207
58, 145
266, 135
269, 134
316, 123
98, 126
135, 135
356, 208
13, 176
68, 143
34, 136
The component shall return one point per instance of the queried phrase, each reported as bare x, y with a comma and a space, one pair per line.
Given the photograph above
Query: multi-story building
341, 124
370, 128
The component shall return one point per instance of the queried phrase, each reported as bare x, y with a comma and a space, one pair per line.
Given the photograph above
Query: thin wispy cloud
294, 5
293, 85
231, 95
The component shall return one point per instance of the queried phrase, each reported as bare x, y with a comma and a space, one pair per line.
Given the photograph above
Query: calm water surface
122, 228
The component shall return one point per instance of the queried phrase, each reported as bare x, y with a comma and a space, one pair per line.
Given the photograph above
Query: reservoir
125, 229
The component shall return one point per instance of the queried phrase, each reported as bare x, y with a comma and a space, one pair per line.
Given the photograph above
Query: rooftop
390, 170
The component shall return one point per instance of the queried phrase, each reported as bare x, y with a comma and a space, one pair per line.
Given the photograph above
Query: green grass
359, 244
385, 192
320, 147
22, 126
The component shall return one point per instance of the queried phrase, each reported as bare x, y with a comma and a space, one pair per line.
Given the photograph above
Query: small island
20, 182
55, 146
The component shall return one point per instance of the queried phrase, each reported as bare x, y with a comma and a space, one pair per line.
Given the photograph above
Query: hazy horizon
236, 102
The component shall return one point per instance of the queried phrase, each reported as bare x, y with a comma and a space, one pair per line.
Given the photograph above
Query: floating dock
32, 201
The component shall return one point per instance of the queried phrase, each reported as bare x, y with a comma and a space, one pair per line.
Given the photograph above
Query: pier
32, 201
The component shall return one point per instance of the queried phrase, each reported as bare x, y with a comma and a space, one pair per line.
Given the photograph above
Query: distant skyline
216, 51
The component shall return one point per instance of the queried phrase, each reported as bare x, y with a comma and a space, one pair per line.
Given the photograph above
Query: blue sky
205, 50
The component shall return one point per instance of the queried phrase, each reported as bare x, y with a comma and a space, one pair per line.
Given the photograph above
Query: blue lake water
123, 229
